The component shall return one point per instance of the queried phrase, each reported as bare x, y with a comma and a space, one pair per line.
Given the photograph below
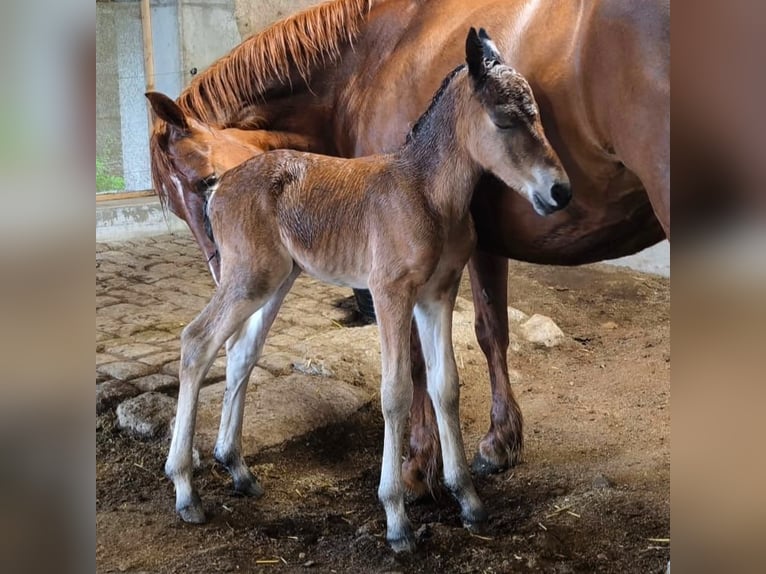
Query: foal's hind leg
503, 445
200, 342
242, 352
434, 319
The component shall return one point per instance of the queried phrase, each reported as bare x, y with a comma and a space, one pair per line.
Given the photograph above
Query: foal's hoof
484, 467
404, 543
249, 488
477, 522
192, 512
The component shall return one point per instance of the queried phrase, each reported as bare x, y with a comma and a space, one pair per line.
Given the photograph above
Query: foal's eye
506, 124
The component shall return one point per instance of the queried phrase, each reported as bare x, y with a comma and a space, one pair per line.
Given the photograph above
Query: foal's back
337, 218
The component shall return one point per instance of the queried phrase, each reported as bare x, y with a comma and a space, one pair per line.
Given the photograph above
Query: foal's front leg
434, 318
394, 312
503, 445
242, 352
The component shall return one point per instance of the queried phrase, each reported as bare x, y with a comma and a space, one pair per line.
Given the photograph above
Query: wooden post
146, 26
146, 29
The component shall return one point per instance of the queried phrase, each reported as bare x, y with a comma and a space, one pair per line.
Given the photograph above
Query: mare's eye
206, 183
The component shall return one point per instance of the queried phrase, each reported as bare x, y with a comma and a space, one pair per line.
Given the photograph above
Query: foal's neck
435, 155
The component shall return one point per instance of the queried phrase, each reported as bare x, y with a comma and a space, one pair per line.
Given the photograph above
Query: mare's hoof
249, 488
484, 467
405, 543
192, 512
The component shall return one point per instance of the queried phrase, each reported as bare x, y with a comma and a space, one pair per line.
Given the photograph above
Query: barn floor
592, 495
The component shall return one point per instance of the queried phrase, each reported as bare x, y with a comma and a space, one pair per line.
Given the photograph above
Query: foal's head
504, 132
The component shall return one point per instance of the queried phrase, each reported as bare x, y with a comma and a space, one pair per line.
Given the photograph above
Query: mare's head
189, 156
504, 132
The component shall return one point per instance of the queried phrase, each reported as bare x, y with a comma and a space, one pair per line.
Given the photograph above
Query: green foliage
105, 181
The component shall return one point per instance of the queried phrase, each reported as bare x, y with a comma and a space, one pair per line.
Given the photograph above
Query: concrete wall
208, 31
108, 129
255, 16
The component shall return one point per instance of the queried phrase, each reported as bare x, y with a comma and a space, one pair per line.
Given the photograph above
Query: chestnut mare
398, 224
348, 78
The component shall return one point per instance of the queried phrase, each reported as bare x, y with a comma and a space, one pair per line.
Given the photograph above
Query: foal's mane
302, 42
418, 126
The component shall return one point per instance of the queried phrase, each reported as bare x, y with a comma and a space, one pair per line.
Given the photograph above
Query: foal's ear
480, 53
474, 55
491, 53
167, 110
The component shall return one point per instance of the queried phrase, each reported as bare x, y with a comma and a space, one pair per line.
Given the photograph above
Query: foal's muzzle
557, 198
561, 193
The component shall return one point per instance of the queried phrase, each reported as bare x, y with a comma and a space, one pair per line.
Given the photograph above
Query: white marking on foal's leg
200, 342
394, 320
243, 350
434, 321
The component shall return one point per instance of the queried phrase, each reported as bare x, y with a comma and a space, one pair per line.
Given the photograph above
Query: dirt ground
592, 495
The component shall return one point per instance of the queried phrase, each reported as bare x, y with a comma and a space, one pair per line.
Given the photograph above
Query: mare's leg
200, 341
503, 444
645, 150
394, 312
434, 318
242, 352
421, 470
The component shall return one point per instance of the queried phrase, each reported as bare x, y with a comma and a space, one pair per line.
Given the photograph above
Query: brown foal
398, 224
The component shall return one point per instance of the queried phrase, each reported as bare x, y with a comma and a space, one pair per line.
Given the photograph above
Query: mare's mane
302, 42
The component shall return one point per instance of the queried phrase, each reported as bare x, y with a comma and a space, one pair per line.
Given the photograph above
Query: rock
315, 368
147, 415
125, 370
516, 315
541, 330
111, 393
609, 326
156, 382
278, 409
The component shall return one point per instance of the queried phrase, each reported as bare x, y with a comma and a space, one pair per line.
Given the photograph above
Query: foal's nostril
561, 194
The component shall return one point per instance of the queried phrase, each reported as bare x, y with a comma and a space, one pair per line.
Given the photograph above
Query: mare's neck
435, 156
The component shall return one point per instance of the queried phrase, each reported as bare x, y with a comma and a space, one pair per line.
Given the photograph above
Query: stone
125, 370
155, 382
278, 409
111, 393
541, 330
133, 350
147, 415
516, 315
